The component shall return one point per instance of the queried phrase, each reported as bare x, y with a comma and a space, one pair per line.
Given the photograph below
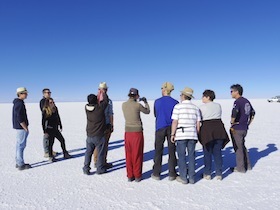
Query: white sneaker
220, 178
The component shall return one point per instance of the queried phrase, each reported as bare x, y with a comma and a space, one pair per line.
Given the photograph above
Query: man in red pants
134, 140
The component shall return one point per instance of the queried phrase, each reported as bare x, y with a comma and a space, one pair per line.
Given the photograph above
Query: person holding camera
134, 139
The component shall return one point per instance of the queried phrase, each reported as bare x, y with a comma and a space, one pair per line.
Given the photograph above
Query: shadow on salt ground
256, 155
115, 144
112, 145
58, 159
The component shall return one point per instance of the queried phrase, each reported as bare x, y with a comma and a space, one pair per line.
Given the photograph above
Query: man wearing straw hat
185, 128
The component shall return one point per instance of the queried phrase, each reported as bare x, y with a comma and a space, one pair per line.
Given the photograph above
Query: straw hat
187, 92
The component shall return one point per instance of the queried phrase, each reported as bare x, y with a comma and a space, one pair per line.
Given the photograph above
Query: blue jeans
21, 137
213, 148
185, 170
92, 143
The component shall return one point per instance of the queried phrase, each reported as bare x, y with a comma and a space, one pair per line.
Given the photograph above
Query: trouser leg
90, 146
191, 156
137, 154
100, 145
207, 150
172, 160
217, 153
159, 143
50, 146
46, 143
21, 137
181, 151
240, 150
128, 154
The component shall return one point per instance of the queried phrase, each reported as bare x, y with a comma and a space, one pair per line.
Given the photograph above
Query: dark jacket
96, 123
42, 103
19, 114
51, 122
212, 130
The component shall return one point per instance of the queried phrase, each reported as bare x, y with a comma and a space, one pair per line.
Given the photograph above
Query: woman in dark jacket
52, 127
212, 135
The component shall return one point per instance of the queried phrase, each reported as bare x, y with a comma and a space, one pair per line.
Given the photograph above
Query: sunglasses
48, 92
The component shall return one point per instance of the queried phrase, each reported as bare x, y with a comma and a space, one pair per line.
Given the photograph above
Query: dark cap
92, 99
133, 91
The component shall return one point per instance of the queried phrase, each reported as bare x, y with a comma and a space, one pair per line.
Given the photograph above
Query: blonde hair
47, 109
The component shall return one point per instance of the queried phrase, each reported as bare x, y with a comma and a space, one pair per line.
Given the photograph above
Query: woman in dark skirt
52, 128
213, 135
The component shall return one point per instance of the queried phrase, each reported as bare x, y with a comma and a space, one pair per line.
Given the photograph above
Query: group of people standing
182, 124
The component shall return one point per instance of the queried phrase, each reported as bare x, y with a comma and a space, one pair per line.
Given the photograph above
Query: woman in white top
213, 135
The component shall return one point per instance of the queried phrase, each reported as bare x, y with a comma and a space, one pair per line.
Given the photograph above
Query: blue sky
70, 46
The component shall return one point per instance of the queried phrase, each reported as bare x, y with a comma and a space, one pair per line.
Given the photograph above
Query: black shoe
86, 172
23, 167
130, 179
108, 165
67, 156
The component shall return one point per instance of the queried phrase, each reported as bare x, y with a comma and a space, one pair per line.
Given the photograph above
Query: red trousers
134, 146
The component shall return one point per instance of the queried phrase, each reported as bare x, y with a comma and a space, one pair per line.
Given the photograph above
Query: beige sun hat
103, 85
168, 86
21, 90
187, 92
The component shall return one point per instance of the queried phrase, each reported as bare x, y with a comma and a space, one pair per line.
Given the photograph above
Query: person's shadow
256, 155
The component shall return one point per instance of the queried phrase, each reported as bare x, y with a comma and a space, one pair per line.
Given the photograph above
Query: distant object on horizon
274, 99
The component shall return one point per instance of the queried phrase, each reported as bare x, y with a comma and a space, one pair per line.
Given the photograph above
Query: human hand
143, 99
172, 139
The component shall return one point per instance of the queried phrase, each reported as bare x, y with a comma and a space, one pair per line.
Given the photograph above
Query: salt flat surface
62, 185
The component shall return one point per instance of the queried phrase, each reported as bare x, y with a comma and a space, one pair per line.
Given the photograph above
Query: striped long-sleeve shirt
187, 115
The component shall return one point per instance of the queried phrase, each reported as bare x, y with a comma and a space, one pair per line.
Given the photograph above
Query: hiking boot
179, 179
155, 177
24, 166
66, 155
220, 178
207, 177
138, 179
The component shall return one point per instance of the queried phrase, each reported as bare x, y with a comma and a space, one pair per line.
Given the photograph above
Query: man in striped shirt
185, 127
